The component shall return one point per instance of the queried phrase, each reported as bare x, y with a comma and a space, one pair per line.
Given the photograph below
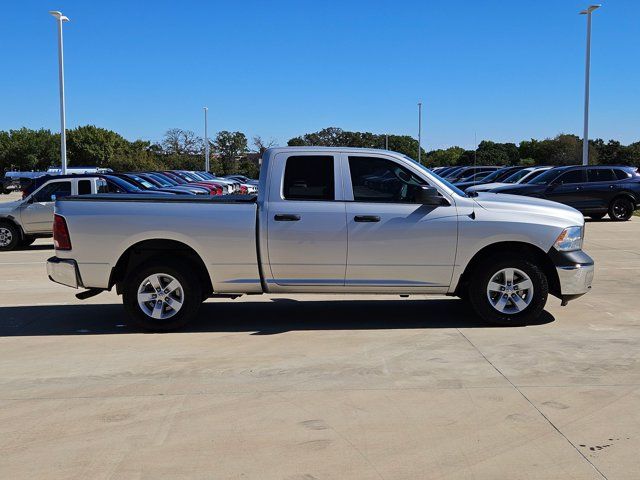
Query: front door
36, 214
568, 189
393, 241
307, 232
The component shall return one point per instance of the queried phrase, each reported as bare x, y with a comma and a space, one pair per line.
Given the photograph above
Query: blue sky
508, 70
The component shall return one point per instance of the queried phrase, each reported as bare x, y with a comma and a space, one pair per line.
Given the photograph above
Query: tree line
26, 150
563, 149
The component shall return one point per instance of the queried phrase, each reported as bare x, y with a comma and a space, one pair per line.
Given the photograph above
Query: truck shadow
256, 317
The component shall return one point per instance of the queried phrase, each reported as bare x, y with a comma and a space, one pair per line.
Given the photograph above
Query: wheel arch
145, 250
527, 250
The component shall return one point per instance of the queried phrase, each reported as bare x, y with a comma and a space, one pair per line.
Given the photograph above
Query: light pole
63, 127
206, 142
585, 137
419, 130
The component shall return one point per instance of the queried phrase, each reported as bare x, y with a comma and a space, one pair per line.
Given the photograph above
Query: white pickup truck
326, 220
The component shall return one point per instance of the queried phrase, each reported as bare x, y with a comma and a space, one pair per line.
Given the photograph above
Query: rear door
395, 243
600, 189
306, 224
36, 214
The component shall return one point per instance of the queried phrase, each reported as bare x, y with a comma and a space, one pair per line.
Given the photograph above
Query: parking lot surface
322, 387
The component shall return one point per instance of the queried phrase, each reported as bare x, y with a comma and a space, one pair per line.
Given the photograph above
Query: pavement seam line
533, 405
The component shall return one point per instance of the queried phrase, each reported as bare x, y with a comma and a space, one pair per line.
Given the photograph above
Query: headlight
570, 239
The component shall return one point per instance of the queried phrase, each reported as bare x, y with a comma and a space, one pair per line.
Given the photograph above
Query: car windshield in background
546, 177
493, 175
425, 169
513, 178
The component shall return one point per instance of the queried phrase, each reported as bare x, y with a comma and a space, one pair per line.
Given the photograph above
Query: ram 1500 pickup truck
325, 221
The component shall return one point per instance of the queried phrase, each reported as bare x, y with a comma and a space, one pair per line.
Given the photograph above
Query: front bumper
64, 272
575, 272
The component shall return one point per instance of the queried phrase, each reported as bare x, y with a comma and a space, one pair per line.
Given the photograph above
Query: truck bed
221, 230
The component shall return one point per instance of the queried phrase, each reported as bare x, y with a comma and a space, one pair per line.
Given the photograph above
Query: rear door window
621, 174
309, 178
84, 187
601, 175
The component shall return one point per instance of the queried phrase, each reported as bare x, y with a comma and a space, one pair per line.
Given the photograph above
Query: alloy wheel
160, 296
510, 291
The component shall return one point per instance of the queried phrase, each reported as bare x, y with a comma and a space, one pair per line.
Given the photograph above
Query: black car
594, 190
496, 176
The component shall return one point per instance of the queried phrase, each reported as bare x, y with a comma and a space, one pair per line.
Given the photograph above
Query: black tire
481, 304
191, 294
9, 236
27, 240
621, 209
596, 216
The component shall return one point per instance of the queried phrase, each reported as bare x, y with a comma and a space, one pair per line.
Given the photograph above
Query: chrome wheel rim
510, 291
160, 296
5, 236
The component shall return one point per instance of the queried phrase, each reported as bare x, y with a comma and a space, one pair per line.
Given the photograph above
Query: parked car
458, 175
519, 177
150, 185
22, 221
593, 190
495, 176
503, 253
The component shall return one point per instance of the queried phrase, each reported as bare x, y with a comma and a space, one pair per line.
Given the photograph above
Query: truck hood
529, 205
7, 208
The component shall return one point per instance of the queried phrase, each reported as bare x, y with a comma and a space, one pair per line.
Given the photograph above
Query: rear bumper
64, 272
575, 272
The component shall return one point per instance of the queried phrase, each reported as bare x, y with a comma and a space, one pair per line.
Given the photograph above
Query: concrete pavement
308, 387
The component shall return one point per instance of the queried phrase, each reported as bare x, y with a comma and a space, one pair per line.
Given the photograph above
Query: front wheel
507, 292
621, 209
9, 236
162, 295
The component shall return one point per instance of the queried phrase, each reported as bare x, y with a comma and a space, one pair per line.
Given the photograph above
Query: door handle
286, 217
366, 218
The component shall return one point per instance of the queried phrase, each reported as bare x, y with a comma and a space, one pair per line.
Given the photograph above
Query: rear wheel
511, 291
162, 295
9, 236
621, 209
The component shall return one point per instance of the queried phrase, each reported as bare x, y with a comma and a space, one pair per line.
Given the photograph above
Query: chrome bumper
575, 279
64, 272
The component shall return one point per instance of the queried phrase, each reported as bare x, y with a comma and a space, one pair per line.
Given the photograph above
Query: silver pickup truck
325, 221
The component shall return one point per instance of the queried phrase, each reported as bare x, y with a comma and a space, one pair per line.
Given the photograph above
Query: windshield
426, 170
513, 178
546, 177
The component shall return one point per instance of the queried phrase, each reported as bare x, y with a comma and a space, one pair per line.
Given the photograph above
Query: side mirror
53, 198
427, 195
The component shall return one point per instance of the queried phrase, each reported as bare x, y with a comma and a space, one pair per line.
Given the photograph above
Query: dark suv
594, 190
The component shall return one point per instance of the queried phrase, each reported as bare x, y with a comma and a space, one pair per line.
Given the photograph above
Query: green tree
26, 149
230, 148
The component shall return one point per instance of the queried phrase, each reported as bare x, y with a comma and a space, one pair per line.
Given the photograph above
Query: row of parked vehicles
595, 191
23, 221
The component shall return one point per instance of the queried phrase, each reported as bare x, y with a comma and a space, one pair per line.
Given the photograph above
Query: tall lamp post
419, 130
206, 142
585, 137
63, 128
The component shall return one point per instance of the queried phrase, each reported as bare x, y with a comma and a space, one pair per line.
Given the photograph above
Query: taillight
219, 191
61, 239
